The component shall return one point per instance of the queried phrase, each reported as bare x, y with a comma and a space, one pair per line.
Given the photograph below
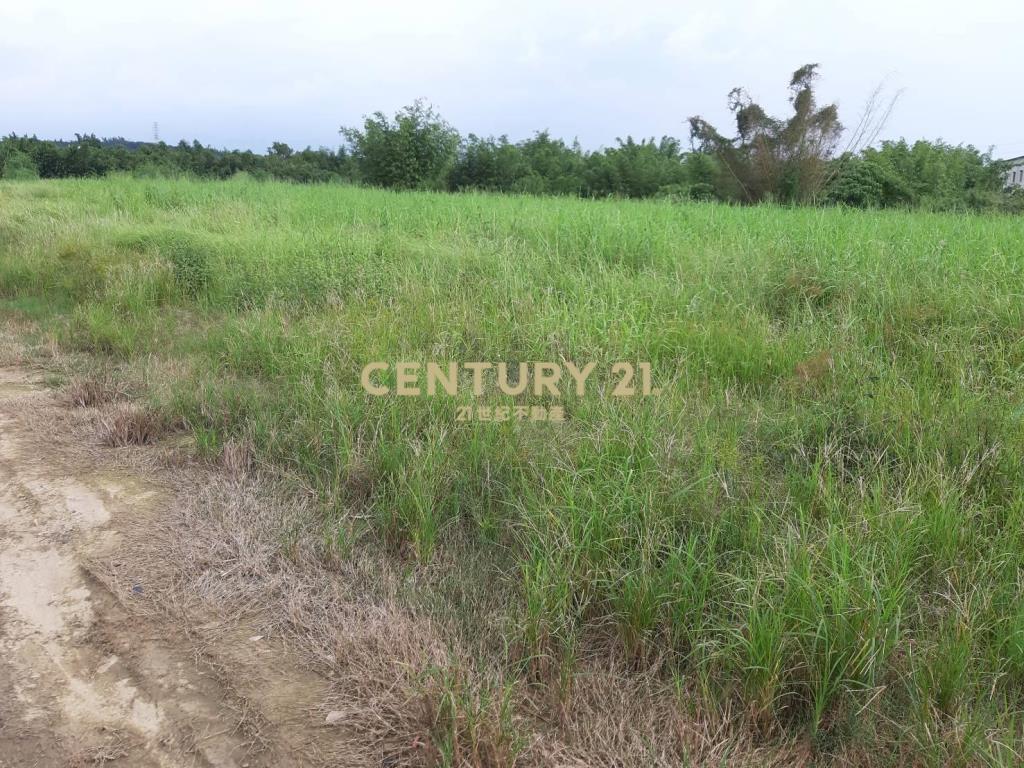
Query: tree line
791, 160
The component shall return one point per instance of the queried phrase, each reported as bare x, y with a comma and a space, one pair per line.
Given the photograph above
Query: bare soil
92, 671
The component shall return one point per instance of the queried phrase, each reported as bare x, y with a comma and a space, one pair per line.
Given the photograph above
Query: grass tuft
124, 424
93, 390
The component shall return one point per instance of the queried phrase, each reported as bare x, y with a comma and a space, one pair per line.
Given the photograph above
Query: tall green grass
819, 518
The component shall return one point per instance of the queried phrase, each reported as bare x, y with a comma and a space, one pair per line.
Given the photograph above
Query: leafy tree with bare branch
775, 159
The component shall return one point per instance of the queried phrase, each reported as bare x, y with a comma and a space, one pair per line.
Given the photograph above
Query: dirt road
85, 680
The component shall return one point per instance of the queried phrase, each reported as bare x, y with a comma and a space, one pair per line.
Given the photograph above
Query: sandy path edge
83, 678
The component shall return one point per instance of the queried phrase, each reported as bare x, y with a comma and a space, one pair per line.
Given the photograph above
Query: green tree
638, 169
925, 174
280, 149
415, 150
488, 163
555, 168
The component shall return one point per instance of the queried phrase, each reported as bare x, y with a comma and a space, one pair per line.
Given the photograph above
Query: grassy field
814, 533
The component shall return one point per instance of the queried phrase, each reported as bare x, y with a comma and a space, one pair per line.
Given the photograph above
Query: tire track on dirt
82, 680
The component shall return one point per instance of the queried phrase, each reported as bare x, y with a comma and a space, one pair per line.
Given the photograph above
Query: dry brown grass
126, 424
114, 746
14, 350
237, 457
815, 367
93, 390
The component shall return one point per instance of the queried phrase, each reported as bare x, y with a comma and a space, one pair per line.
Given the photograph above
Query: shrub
18, 166
414, 151
191, 263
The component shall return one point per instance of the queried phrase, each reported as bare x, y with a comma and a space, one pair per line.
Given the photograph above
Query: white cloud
249, 72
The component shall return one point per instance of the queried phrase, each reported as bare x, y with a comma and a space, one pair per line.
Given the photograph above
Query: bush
18, 166
868, 184
924, 174
414, 151
191, 263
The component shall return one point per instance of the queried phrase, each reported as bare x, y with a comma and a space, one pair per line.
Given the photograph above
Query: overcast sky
243, 74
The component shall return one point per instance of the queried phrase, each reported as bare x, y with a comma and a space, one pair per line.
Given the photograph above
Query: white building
1015, 176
